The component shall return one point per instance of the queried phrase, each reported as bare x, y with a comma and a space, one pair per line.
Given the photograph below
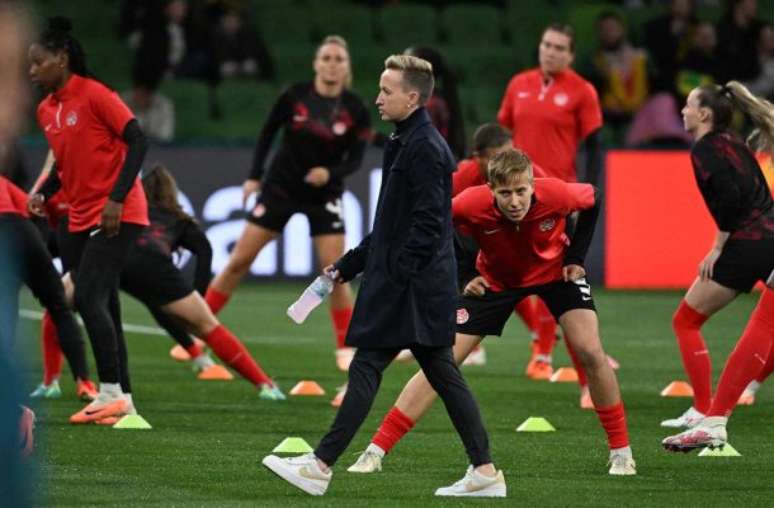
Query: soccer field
208, 438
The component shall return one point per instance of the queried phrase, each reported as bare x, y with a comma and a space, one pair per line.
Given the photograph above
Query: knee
687, 318
592, 357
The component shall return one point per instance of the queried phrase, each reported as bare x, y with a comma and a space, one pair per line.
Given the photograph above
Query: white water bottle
312, 296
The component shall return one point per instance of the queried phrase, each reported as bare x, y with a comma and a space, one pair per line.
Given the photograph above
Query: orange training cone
338, 399
215, 373
677, 389
307, 388
565, 375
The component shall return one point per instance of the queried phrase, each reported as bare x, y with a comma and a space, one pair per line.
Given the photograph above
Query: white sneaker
709, 433
302, 472
622, 464
477, 357
202, 362
474, 484
369, 461
690, 418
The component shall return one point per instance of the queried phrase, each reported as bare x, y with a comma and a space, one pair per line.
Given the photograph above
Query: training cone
307, 388
215, 373
292, 445
339, 398
132, 422
535, 424
179, 353
726, 451
565, 375
677, 389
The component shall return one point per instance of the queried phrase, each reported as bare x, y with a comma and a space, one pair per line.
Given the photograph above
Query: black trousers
96, 262
365, 376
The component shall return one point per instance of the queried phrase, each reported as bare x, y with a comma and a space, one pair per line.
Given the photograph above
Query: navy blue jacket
407, 294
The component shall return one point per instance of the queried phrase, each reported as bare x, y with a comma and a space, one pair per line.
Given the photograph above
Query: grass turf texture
208, 438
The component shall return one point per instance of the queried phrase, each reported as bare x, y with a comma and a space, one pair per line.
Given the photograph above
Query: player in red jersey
739, 200
99, 149
519, 225
550, 110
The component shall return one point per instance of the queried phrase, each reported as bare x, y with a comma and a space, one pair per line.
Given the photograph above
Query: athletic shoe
746, 399
405, 356
477, 357
344, 356
109, 421
368, 462
271, 392
26, 426
301, 472
585, 398
622, 464
50, 391
85, 390
474, 484
687, 420
539, 370
202, 362
100, 408
710, 432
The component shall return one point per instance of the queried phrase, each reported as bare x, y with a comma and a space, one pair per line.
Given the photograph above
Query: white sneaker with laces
474, 484
622, 463
370, 461
709, 433
301, 471
690, 418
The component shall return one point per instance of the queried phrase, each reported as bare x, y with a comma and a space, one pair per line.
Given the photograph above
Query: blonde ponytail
760, 111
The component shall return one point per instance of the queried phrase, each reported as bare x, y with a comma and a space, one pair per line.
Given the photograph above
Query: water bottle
312, 296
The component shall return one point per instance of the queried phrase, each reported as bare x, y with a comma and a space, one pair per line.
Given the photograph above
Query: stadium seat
408, 25
285, 23
525, 24
356, 26
484, 65
465, 23
583, 18
294, 62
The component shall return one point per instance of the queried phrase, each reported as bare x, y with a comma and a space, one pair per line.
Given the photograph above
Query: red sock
582, 380
341, 319
613, 419
696, 360
546, 328
194, 350
526, 311
52, 353
215, 299
394, 426
748, 357
229, 349
768, 368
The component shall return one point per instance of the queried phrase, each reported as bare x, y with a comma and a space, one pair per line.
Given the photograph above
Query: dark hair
490, 135
611, 14
161, 191
562, 28
56, 37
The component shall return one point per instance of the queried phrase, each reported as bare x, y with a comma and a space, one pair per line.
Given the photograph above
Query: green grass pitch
208, 438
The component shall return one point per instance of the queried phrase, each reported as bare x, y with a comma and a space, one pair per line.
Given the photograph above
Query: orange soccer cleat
99, 410
539, 370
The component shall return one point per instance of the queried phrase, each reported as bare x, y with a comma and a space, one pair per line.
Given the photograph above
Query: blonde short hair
504, 167
417, 74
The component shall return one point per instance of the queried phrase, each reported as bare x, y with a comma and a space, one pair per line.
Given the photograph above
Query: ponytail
761, 114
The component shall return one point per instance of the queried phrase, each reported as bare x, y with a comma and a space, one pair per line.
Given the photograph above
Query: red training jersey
531, 252
84, 123
12, 199
468, 174
549, 120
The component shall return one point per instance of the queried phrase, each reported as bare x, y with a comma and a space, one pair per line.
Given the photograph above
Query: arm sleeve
593, 158
589, 113
357, 145
722, 194
505, 114
354, 261
137, 147
18, 197
51, 184
194, 240
280, 112
584, 232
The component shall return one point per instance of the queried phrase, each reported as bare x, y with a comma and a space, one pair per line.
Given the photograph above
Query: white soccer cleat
474, 484
709, 433
301, 472
368, 462
690, 418
476, 358
622, 464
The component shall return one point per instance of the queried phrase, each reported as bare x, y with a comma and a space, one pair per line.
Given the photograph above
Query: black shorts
274, 208
487, 315
153, 279
742, 263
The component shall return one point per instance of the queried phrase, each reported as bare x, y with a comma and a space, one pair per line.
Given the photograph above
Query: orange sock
52, 353
340, 319
748, 357
229, 349
613, 420
687, 324
546, 328
394, 426
215, 299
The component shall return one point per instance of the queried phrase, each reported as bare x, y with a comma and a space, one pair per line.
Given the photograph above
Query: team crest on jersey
259, 210
462, 316
547, 225
72, 119
339, 128
561, 99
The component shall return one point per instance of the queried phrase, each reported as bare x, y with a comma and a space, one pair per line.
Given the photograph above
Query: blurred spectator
738, 40
619, 71
13, 163
238, 50
444, 105
161, 43
667, 39
700, 66
763, 84
154, 111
